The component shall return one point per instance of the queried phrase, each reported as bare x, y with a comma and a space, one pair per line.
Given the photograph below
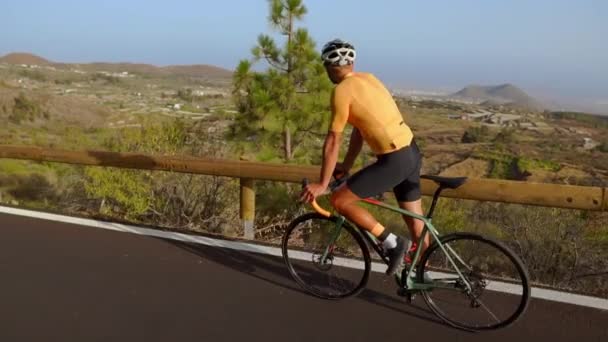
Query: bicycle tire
364, 260
475, 277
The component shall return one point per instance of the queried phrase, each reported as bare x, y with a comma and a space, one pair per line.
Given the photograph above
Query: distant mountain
199, 70
24, 58
506, 94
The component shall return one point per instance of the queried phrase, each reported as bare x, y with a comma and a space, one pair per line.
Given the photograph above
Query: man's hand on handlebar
312, 191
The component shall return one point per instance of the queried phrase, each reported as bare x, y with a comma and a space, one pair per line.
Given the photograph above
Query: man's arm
331, 148
354, 147
340, 108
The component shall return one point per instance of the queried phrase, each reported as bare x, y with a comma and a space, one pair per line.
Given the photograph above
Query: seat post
435, 199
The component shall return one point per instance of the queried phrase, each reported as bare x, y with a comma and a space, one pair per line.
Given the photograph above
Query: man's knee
338, 202
341, 200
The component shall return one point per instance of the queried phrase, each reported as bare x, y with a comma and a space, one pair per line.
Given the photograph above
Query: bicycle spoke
327, 261
458, 258
488, 310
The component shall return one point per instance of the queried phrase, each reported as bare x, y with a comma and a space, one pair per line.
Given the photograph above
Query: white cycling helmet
338, 53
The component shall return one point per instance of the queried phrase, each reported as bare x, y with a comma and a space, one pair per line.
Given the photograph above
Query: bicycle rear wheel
495, 290
346, 269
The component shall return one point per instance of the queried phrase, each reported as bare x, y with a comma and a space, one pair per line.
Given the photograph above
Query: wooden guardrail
539, 194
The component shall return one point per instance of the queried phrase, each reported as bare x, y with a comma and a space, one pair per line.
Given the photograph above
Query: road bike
470, 281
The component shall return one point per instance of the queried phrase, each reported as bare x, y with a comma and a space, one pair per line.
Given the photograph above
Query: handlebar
332, 186
320, 210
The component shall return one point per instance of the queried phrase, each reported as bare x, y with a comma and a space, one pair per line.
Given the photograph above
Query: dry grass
471, 167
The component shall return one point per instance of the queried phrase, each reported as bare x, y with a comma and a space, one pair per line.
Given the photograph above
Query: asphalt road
61, 282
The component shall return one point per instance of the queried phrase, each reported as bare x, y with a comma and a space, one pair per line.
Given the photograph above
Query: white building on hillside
589, 144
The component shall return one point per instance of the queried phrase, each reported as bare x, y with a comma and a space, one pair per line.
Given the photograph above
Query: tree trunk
288, 154
287, 144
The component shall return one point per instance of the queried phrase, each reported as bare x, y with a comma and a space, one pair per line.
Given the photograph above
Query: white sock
390, 242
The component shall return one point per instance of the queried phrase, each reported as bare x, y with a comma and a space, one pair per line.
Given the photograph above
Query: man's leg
415, 226
345, 202
408, 196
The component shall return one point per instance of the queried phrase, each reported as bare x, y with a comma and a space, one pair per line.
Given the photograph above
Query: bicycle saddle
447, 182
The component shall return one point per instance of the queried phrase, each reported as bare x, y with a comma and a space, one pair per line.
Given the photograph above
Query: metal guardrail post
248, 207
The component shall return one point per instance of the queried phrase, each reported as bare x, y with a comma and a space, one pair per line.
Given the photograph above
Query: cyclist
361, 100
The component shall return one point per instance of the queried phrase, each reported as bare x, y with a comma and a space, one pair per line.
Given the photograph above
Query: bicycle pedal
410, 297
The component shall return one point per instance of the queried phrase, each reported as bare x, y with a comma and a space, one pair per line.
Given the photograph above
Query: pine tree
287, 104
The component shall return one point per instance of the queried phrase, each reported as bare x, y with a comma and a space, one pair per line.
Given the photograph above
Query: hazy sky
552, 47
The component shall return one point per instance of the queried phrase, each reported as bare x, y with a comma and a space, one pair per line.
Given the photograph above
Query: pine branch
274, 64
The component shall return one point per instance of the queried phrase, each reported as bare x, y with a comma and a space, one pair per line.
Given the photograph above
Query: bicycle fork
332, 241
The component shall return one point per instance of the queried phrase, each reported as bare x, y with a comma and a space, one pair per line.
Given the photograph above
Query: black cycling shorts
398, 170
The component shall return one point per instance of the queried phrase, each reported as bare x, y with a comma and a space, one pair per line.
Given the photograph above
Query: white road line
552, 295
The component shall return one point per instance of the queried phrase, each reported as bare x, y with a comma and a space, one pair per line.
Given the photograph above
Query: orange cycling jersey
363, 101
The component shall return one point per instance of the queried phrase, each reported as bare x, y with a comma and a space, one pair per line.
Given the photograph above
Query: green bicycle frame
428, 229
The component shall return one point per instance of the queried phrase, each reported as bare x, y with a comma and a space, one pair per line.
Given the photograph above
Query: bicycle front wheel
326, 267
493, 291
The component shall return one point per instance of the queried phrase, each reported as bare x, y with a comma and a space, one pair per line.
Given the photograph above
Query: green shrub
33, 187
112, 80
63, 82
476, 134
508, 166
500, 169
185, 95
525, 164
34, 75
596, 121
505, 136
26, 109
125, 191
